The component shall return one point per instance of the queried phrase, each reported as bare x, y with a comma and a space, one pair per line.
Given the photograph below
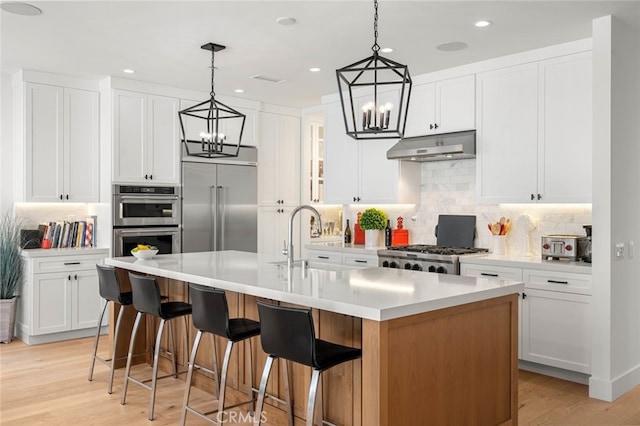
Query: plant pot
372, 238
7, 318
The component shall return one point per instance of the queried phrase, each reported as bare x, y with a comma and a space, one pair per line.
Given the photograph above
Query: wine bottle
387, 234
347, 233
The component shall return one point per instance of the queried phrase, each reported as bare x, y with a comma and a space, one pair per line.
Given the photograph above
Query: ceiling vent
267, 78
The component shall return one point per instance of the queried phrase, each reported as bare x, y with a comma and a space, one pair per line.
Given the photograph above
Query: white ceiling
161, 40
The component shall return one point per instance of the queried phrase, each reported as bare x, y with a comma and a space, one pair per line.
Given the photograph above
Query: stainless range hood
445, 146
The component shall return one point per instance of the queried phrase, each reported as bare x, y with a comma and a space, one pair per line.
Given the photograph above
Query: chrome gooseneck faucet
288, 249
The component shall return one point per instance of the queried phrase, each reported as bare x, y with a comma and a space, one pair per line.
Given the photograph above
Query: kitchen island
436, 348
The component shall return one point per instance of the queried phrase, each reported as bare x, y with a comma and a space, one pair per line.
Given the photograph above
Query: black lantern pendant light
211, 129
374, 94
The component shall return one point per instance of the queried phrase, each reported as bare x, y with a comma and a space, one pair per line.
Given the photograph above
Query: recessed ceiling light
239, 90
482, 24
20, 8
314, 69
128, 71
286, 20
386, 50
452, 46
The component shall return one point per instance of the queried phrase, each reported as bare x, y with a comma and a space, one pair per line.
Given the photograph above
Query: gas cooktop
433, 249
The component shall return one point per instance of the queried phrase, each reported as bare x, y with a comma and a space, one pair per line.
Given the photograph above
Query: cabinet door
379, 176
129, 137
273, 226
556, 329
421, 116
86, 302
455, 104
268, 159
81, 145
341, 160
507, 134
164, 140
44, 143
565, 135
51, 303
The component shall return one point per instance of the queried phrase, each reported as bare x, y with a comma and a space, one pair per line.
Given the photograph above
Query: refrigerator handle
220, 217
213, 237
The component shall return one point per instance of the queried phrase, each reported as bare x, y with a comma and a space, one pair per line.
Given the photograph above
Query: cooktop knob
432, 268
393, 265
407, 266
416, 267
569, 247
385, 264
441, 270
545, 246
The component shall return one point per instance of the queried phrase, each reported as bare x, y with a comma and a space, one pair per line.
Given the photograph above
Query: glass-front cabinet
316, 166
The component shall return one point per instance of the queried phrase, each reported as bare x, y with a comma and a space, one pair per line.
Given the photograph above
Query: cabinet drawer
502, 272
325, 256
363, 261
66, 263
557, 281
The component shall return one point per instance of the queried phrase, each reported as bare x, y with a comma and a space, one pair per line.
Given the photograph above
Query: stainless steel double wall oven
146, 215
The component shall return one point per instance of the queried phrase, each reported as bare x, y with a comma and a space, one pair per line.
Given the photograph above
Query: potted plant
10, 275
373, 221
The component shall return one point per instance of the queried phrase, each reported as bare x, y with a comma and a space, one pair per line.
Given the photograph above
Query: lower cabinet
60, 297
555, 314
361, 260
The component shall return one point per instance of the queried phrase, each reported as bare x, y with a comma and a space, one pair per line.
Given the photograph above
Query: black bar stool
211, 315
109, 286
147, 300
288, 333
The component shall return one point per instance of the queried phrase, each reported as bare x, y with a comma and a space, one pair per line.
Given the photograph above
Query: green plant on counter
10, 261
373, 219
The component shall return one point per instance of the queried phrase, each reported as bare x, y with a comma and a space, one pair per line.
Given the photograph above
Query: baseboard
56, 337
610, 390
558, 373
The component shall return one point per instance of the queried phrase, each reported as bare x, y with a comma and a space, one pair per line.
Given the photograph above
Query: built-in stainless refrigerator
219, 203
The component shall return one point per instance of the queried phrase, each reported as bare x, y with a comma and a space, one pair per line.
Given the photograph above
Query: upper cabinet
442, 107
61, 134
279, 160
358, 171
534, 132
146, 138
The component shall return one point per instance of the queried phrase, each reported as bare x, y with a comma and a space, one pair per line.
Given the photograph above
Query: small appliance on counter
557, 247
586, 245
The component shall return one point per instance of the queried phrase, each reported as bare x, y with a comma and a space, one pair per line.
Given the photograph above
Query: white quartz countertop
528, 262
341, 247
373, 293
54, 252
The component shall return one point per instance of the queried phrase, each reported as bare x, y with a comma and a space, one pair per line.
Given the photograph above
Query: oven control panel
419, 265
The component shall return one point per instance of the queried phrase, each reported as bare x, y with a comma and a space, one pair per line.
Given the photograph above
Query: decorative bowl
144, 254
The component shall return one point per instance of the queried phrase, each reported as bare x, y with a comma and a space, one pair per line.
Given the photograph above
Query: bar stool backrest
210, 309
108, 283
146, 294
287, 333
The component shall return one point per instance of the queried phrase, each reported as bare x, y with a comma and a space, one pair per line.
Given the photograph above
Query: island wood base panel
452, 366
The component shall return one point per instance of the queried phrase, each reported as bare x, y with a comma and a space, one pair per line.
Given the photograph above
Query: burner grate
433, 249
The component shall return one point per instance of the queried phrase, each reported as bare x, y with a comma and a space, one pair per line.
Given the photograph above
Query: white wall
616, 131
6, 143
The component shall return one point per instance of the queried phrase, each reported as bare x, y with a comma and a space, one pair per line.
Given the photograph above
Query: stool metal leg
257, 417
320, 407
287, 390
113, 350
95, 344
136, 324
252, 392
172, 346
313, 387
187, 390
223, 380
154, 380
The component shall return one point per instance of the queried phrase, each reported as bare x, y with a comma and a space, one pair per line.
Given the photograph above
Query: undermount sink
314, 265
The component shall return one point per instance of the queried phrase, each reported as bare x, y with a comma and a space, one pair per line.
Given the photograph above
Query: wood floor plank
47, 385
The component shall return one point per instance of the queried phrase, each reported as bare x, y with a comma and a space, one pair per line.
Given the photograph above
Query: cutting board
455, 230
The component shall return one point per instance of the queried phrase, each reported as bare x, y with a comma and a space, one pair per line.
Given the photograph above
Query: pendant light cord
375, 46
213, 68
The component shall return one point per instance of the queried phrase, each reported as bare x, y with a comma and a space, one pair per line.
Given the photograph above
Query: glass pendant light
374, 93
211, 129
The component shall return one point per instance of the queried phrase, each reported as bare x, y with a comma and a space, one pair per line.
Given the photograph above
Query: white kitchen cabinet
346, 256
534, 132
273, 223
358, 171
491, 271
60, 297
61, 144
556, 329
146, 138
279, 160
442, 107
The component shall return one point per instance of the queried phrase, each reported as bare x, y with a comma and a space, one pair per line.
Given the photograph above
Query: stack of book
69, 234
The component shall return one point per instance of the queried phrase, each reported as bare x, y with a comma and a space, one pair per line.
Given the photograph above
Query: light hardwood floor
47, 385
